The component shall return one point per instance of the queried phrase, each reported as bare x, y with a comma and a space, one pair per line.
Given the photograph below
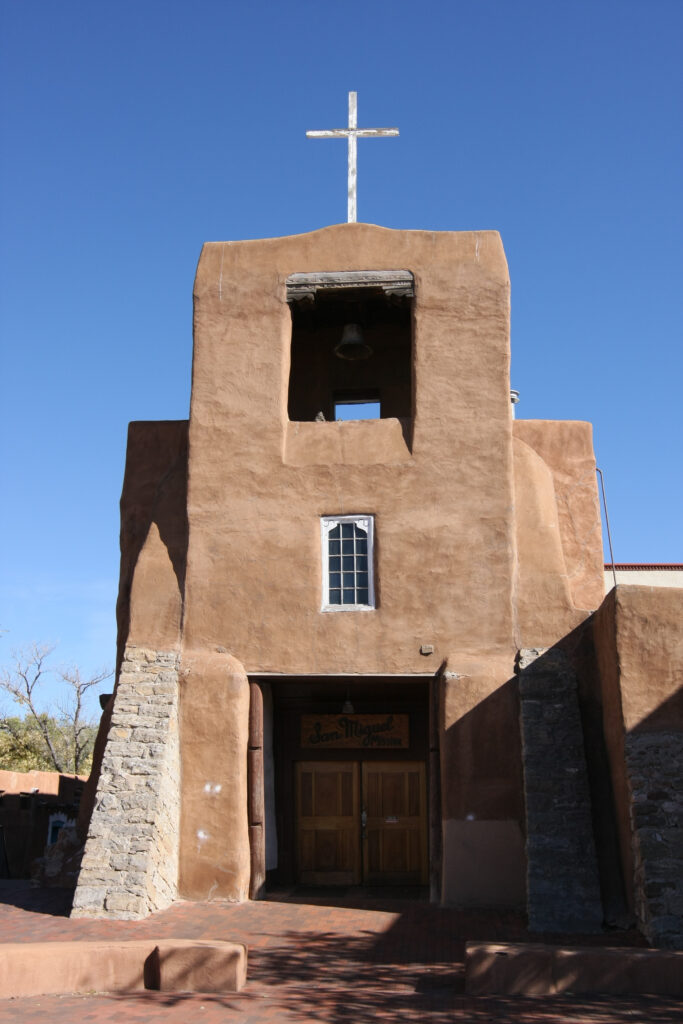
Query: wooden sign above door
374, 732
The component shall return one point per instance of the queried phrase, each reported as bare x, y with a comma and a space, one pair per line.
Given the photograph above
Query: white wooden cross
352, 133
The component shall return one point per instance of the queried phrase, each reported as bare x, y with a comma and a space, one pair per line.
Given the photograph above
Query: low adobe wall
527, 969
173, 965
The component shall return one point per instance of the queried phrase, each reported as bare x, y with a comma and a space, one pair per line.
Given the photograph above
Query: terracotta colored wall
258, 485
639, 649
153, 535
214, 731
650, 652
543, 600
443, 525
238, 575
566, 446
45, 783
484, 862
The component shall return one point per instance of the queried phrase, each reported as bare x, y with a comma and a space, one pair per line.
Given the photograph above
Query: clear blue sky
134, 131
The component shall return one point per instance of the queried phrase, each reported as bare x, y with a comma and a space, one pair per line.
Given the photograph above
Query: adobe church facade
367, 651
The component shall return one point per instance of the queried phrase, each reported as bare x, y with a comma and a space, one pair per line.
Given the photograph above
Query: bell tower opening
351, 355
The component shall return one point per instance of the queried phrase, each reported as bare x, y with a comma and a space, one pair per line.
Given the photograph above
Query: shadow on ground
392, 899
20, 893
325, 1007
336, 968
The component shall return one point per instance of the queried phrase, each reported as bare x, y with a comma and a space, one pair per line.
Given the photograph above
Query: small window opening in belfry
351, 355
357, 405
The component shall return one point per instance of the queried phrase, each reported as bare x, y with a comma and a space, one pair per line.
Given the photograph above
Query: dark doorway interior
374, 786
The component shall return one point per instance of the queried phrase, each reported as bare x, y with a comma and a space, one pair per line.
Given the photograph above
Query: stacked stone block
654, 762
130, 862
563, 892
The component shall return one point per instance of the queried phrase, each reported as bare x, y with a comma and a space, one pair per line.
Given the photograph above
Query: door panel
395, 832
328, 823
392, 849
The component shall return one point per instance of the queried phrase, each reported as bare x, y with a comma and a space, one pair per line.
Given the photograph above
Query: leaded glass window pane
347, 576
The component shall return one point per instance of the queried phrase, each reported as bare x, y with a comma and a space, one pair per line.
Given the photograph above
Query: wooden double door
361, 823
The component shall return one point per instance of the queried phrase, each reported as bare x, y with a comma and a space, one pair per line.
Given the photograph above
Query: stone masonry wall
654, 762
563, 892
130, 862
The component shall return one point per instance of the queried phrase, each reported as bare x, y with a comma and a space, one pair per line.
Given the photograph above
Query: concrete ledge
540, 970
181, 965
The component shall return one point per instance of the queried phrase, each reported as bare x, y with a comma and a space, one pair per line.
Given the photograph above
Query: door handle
363, 823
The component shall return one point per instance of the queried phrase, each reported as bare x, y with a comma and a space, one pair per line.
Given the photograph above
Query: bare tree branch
72, 711
20, 683
74, 729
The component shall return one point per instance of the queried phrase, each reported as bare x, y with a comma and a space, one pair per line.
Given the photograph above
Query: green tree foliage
56, 739
22, 747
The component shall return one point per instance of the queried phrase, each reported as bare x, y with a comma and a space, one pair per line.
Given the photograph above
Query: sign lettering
355, 731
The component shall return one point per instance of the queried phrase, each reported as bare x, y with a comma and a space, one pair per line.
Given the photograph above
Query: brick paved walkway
311, 963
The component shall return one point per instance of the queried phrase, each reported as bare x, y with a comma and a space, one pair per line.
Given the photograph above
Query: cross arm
367, 133
344, 133
333, 133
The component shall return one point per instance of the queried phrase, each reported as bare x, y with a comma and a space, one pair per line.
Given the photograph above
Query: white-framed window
347, 560
56, 823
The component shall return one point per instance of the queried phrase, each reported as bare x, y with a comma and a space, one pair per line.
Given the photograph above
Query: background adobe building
367, 651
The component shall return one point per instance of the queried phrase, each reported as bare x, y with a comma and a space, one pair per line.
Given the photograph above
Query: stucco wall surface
645, 578
52, 783
638, 637
566, 446
649, 636
481, 782
220, 538
214, 829
544, 610
444, 532
153, 535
